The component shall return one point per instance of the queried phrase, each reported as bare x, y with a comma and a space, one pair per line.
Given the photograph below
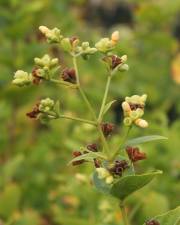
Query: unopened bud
141, 123
124, 58
102, 173
115, 37
44, 29
123, 67
66, 44
109, 180
126, 107
127, 121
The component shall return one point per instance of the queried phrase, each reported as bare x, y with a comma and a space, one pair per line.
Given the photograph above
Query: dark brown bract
135, 154
118, 167
69, 75
152, 222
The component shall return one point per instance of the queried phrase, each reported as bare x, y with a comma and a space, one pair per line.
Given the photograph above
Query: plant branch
124, 215
100, 117
89, 106
81, 90
78, 119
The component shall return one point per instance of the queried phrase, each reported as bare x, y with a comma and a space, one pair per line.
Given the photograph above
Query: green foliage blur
36, 185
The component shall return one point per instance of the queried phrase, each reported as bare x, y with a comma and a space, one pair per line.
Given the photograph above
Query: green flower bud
141, 123
140, 112
46, 105
85, 45
104, 45
123, 67
46, 62
136, 99
134, 115
66, 44
53, 36
102, 173
124, 58
54, 62
109, 179
127, 121
22, 78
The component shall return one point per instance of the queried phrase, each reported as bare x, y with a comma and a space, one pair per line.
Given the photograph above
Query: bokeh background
36, 185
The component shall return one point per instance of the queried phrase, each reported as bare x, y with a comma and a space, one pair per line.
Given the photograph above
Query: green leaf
171, 217
107, 106
100, 184
140, 140
129, 184
88, 157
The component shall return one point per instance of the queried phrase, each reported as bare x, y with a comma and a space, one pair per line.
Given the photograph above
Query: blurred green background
36, 185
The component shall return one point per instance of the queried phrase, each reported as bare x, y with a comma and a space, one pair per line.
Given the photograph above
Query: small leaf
88, 157
144, 139
171, 217
107, 106
129, 184
100, 184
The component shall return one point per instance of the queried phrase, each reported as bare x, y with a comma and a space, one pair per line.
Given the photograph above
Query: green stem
81, 90
89, 106
124, 215
61, 82
78, 119
100, 117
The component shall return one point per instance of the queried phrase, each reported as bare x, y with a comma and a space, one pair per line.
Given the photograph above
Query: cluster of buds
45, 110
22, 78
53, 36
104, 174
46, 62
43, 68
114, 62
107, 129
133, 108
118, 167
69, 75
152, 222
73, 45
134, 154
86, 50
107, 44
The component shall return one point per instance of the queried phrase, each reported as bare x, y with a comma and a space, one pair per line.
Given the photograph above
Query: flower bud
141, 123
123, 67
54, 62
66, 44
22, 78
127, 121
126, 107
134, 115
44, 29
46, 62
115, 37
102, 173
104, 45
85, 45
53, 36
124, 58
109, 180
46, 105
